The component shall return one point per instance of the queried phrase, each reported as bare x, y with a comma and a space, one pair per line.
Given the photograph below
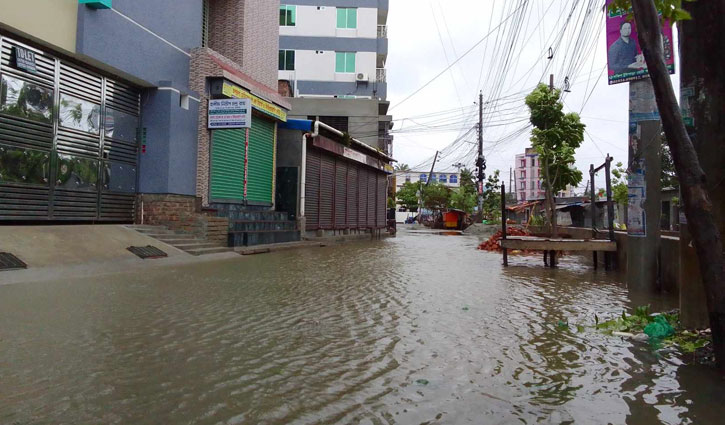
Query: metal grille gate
68, 141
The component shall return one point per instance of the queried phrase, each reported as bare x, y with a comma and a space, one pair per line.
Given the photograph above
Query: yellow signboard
257, 103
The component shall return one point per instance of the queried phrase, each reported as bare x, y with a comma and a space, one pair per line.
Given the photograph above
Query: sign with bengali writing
230, 113
259, 104
624, 55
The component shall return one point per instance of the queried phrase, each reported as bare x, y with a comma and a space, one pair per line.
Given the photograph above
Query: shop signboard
230, 113
624, 55
25, 60
258, 103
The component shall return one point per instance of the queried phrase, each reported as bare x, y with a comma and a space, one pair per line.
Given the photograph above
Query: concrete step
204, 251
193, 246
178, 241
170, 236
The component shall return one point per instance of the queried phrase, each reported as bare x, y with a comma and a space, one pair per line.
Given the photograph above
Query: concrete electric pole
481, 161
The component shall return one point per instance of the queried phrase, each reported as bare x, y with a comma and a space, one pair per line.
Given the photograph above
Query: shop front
242, 160
68, 139
345, 189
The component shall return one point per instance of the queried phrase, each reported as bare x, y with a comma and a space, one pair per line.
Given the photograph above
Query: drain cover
147, 251
10, 262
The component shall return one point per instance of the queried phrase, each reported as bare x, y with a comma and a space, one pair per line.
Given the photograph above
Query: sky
502, 49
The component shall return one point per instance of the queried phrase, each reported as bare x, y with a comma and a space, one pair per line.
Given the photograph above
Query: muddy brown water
419, 329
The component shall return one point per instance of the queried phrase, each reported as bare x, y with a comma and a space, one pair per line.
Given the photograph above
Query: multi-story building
452, 180
528, 178
104, 109
332, 57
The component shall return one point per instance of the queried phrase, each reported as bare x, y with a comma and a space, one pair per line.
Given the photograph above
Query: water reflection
422, 328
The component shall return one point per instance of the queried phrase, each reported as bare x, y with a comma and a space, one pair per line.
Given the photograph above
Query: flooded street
418, 329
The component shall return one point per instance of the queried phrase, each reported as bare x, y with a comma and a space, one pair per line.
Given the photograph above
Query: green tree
555, 136
492, 196
467, 181
463, 200
436, 196
407, 196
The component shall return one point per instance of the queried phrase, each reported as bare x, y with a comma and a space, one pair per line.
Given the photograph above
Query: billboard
624, 55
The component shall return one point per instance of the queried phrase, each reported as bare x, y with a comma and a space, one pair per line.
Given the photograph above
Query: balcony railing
382, 31
381, 75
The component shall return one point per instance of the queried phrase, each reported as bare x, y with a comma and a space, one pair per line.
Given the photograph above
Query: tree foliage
436, 196
492, 196
462, 199
407, 196
555, 136
670, 9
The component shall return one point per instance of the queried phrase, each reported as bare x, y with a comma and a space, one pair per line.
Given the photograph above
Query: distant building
528, 178
452, 180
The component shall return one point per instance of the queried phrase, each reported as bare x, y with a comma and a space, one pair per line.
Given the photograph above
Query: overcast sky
425, 36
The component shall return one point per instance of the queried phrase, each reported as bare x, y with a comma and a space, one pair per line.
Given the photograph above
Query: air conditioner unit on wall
362, 77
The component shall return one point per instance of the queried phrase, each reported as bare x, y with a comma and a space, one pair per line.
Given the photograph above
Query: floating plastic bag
659, 329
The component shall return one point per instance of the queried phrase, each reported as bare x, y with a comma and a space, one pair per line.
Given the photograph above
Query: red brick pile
492, 243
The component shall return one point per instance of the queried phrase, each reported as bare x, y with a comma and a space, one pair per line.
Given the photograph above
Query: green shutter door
261, 161
227, 165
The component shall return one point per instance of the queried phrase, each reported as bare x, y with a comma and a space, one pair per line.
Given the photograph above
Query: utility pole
420, 188
481, 161
511, 181
643, 227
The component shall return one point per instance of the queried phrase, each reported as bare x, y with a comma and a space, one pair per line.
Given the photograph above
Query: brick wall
247, 32
181, 213
261, 41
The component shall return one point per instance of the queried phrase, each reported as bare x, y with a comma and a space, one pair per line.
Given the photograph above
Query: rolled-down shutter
362, 196
312, 190
260, 166
227, 165
352, 195
372, 196
340, 194
327, 189
382, 199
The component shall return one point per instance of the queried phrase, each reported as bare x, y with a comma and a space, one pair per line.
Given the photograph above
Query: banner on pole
624, 55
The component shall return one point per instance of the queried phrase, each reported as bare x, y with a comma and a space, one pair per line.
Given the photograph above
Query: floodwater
418, 329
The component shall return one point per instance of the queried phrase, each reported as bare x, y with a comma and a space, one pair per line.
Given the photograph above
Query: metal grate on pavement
10, 262
147, 252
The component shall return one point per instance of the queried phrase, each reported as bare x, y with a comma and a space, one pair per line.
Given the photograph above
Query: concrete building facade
103, 115
452, 180
332, 53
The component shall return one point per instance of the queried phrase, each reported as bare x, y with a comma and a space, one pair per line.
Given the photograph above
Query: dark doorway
286, 191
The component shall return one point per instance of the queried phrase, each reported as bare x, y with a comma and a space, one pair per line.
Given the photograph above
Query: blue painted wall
169, 164
118, 37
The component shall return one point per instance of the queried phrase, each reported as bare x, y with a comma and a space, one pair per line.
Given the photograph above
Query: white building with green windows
332, 52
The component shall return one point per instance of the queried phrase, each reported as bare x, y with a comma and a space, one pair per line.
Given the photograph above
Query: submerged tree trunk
708, 17
550, 206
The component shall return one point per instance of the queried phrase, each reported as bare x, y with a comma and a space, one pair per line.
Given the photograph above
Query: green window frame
286, 60
287, 15
347, 18
345, 62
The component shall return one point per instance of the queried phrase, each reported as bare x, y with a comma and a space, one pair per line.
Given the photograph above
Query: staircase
249, 228
181, 240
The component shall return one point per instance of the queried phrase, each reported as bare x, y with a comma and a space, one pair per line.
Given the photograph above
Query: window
423, 178
287, 15
454, 178
286, 60
443, 178
533, 162
407, 178
523, 185
345, 62
523, 196
346, 18
523, 163
523, 174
